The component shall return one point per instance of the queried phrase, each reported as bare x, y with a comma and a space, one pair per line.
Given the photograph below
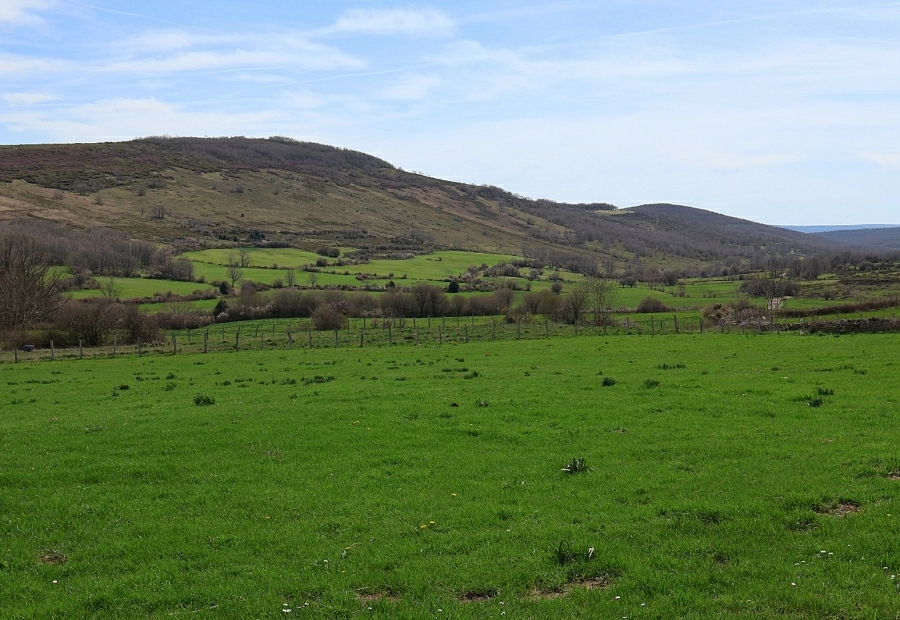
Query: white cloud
18, 11
427, 22
411, 87
25, 99
123, 119
887, 160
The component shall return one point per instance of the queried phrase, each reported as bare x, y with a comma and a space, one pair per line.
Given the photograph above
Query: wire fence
301, 334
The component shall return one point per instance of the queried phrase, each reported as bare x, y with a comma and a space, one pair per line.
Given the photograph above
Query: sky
778, 111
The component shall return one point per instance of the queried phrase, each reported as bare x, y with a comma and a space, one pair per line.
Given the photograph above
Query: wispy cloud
411, 87
421, 22
25, 99
887, 160
22, 11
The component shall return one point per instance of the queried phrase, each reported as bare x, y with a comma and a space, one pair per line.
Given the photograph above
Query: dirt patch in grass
478, 596
586, 583
894, 475
839, 510
367, 597
52, 558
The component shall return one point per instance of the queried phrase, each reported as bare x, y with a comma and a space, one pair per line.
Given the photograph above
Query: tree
290, 277
28, 290
601, 294
773, 284
110, 289
245, 258
234, 271
576, 304
429, 298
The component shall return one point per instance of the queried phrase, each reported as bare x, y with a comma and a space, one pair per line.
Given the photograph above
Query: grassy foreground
729, 475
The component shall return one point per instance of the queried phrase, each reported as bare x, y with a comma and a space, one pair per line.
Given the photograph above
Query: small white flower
793, 584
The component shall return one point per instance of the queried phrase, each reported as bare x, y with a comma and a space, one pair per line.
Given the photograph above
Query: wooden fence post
335, 337
80, 350
140, 350
652, 326
675, 316
174, 344
52, 351
237, 336
440, 336
16, 352
115, 343
205, 340
390, 336
309, 336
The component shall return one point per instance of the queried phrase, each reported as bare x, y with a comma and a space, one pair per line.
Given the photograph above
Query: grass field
728, 475
143, 287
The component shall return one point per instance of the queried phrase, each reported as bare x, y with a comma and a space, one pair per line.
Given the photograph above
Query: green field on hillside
143, 287
750, 476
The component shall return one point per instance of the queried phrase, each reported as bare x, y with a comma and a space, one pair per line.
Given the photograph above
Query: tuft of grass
608, 382
650, 383
825, 391
576, 466
202, 400
815, 402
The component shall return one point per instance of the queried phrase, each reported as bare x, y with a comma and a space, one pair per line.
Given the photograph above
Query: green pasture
724, 475
436, 266
143, 287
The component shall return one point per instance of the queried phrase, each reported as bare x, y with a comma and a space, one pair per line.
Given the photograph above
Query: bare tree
110, 289
312, 278
773, 284
244, 257
290, 277
28, 289
601, 295
576, 304
233, 269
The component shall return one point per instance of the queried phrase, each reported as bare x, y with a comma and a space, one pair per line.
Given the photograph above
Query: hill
219, 190
887, 238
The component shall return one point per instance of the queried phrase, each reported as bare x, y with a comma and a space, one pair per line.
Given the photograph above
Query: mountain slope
224, 189
883, 238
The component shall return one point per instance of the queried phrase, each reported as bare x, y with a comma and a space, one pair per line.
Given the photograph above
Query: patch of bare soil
839, 510
894, 475
367, 597
52, 558
586, 583
478, 596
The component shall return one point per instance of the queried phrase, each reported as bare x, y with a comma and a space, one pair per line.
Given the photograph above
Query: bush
202, 400
328, 317
652, 304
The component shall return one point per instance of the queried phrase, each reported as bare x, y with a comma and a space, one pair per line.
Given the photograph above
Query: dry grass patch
838, 510
367, 596
52, 558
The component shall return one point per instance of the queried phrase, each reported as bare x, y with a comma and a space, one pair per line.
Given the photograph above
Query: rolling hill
214, 191
887, 238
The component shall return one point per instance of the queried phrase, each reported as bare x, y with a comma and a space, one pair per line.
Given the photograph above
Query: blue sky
784, 112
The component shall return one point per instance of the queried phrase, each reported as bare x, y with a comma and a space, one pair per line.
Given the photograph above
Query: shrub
328, 317
652, 304
202, 400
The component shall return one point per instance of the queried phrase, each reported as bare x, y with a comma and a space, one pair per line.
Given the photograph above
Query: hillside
882, 238
223, 190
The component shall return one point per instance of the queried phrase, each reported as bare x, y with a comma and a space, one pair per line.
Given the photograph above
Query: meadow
599, 476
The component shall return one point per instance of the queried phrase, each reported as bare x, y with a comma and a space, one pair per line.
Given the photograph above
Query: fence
294, 334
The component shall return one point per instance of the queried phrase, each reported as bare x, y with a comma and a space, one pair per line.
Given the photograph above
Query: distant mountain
885, 238
210, 191
819, 229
